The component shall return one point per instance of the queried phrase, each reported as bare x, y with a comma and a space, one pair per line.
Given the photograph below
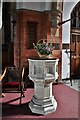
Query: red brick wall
21, 52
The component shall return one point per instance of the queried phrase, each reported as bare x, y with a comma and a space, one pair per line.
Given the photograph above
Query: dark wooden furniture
12, 80
75, 43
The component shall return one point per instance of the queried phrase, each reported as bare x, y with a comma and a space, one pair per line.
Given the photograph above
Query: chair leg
22, 96
71, 81
20, 100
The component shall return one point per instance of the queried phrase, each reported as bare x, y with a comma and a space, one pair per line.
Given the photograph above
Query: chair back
14, 74
14, 79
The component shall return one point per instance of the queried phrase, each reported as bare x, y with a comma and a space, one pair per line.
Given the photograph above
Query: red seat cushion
10, 84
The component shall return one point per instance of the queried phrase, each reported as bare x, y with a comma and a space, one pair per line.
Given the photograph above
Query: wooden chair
1, 77
12, 80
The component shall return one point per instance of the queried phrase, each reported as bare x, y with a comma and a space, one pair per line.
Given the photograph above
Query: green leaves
43, 48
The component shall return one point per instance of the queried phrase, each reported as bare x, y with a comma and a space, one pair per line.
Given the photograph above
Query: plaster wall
38, 6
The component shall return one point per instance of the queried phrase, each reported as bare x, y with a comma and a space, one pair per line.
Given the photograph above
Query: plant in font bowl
43, 48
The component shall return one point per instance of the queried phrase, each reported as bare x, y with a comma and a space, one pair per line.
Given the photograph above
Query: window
31, 34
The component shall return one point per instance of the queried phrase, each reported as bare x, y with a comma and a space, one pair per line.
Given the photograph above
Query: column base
43, 106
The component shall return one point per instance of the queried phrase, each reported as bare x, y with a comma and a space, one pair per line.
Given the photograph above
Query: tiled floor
75, 84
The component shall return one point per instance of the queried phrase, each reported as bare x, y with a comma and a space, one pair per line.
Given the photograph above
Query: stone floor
75, 84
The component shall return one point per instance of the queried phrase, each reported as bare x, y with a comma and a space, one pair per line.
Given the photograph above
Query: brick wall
21, 52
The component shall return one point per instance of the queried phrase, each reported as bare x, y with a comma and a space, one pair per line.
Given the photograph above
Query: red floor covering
67, 98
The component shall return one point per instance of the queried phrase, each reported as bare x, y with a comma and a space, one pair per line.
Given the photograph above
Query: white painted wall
65, 65
38, 6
